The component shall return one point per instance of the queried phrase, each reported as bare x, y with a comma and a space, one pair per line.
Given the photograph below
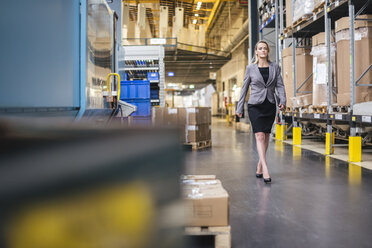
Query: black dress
262, 115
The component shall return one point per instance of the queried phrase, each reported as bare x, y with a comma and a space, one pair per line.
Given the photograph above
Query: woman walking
264, 77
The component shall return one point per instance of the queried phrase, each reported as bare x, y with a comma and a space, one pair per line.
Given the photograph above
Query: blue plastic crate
154, 93
143, 107
135, 90
152, 76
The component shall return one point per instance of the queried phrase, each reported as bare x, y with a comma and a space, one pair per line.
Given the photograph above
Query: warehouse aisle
312, 202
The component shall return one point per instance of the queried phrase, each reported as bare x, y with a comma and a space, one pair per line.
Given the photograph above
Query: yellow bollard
355, 149
278, 132
328, 143
284, 132
297, 136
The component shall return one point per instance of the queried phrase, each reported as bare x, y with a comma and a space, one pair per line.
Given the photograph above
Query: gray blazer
259, 90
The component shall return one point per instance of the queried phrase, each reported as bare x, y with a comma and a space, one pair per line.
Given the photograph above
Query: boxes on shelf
320, 70
207, 202
363, 58
139, 89
304, 68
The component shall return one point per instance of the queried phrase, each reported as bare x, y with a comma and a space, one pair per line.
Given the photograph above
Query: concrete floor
313, 201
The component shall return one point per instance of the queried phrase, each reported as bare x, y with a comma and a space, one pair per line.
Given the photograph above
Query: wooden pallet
300, 21
319, 8
341, 109
199, 145
288, 109
222, 234
318, 109
287, 29
303, 109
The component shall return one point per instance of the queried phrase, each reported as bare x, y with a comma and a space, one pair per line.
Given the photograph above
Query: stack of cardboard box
304, 67
320, 69
363, 58
207, 202
195, 123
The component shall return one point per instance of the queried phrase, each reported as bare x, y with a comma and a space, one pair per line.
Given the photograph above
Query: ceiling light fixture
198, 6
194, 21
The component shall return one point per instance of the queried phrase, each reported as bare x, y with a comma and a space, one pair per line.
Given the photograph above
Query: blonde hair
255, 49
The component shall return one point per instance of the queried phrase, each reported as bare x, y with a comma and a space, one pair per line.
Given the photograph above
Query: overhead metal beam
213, 14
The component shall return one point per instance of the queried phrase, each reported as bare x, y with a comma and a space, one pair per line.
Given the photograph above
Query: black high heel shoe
267, 180
258, 175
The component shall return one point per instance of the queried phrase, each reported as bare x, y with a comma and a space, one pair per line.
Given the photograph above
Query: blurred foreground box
207, 202
81, 186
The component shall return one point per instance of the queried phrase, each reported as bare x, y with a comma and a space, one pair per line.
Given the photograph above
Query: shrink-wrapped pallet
320, 72
363, 59
302, 8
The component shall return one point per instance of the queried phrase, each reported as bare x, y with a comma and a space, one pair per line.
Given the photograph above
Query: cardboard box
196, 133
363, 58
304, 67
319, 39
195, 116
207, 203
343, 99
344, 23
171, 117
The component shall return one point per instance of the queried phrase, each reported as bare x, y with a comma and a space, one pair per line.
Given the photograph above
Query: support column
355, 142
253, 27
330, 137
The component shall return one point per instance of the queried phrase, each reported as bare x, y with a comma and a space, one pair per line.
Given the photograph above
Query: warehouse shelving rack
319, 22
145, 59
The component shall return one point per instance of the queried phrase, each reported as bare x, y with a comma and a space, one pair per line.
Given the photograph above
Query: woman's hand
281, 107
239, 115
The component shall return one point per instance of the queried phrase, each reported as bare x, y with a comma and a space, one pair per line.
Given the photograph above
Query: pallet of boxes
206, 208
194, 124
363, 59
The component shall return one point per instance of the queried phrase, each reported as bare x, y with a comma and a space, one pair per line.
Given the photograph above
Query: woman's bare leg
259, 166
262, 141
